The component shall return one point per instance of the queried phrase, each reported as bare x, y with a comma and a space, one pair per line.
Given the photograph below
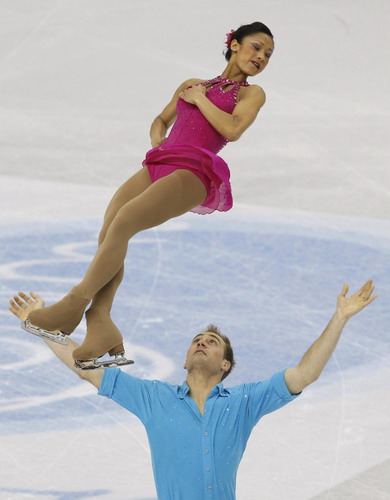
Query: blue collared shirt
195, 456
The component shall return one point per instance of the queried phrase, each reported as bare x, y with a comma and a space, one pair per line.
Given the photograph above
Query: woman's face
253, 53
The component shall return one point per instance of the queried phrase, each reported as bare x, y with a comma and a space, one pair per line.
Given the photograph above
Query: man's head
212, 352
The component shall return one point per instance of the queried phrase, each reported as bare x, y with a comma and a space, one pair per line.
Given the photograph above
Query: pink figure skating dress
193, 145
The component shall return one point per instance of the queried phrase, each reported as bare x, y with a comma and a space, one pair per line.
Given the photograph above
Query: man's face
206, 353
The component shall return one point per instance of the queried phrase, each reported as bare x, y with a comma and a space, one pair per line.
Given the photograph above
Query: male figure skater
198, 431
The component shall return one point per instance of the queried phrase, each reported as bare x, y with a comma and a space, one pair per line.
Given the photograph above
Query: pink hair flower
229, 37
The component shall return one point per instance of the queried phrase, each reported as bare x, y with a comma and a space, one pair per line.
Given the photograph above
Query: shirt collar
217, 389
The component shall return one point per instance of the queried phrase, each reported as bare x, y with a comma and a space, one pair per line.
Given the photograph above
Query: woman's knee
106, 225
130, 218
139, 215
102, 235
122, 227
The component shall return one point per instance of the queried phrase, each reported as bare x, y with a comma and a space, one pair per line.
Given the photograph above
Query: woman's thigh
169, 197
128, 190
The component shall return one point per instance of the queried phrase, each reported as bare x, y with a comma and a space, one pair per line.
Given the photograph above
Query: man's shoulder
242, 387
158, 384
245, 387
275, 383
121, 385
238, 389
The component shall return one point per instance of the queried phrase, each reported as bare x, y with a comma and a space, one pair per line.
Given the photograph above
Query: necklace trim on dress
221, 79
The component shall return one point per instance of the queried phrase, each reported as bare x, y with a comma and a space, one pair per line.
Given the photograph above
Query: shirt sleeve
132, 393
268, 396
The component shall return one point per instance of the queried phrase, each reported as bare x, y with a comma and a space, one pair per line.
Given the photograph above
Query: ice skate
103, 337
55, 336
93, 364
59, 320
22, 306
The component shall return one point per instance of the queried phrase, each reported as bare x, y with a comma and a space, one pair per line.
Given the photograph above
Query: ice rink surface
80, 83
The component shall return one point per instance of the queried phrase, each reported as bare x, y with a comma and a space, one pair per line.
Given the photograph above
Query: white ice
80, 83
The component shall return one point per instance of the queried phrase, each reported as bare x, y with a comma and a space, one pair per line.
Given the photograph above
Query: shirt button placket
207, 462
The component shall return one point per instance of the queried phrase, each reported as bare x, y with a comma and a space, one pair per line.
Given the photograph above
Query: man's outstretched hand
349, 306
22, 304
315, 358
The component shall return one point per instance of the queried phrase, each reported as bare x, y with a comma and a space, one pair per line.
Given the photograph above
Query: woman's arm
165, 119
230, 126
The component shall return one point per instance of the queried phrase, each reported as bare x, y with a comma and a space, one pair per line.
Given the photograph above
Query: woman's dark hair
245, 30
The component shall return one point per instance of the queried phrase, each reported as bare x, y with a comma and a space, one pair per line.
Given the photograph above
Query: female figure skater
181, 173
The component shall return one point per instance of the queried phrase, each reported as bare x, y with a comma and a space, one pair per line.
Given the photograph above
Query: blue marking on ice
270, 287
56, 495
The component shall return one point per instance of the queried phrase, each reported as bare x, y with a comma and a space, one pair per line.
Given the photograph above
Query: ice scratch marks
335, 468
156, 275
155, 366
150, 363
70, 253
37, 353
14, 271
28, 352
23, 42
55, 494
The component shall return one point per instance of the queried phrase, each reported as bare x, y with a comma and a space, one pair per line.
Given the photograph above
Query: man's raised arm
316, 357
22, 305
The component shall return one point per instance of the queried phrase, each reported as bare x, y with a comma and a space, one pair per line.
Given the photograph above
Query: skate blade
94, 364
58, 337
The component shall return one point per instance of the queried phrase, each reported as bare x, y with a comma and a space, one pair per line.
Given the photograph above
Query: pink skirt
210, 168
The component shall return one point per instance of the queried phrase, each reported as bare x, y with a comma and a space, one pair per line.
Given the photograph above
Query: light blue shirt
195, 456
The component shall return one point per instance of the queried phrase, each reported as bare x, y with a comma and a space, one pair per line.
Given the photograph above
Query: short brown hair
228, 354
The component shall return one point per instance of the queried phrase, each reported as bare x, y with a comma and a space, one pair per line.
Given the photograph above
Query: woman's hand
191, 94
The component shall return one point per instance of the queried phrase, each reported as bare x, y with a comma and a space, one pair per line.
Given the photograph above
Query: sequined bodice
192, 128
